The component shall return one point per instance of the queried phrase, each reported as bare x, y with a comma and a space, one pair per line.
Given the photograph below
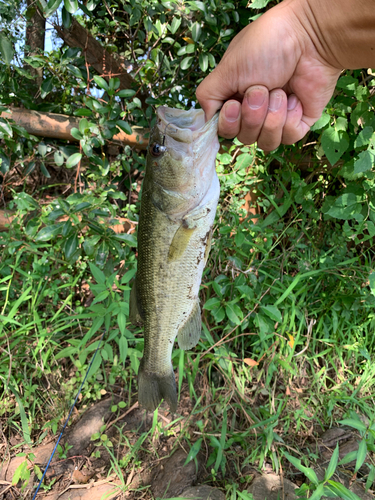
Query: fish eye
157, 149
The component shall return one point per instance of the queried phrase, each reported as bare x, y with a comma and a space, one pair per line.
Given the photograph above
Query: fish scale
179, 198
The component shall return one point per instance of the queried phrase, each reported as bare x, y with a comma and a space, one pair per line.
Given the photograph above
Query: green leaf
123, 346
101, 296
212, 303
347, 82
19, 472
332, 464
24, 422
74, 71
124, 126
356, 424
371, 477
318, 493
42, 149
83, 126
230, 312
363, 138
44, 170
342, 492
195, 5
97, 273
66, 18
196, 31
52, 6
71, 6
365, 162
64, 353
48, 232
91, 4
125, 93
95, 364
361, 457
121, 320
345, 207
322, 122
96, 324
5, 128
59, 158
203, 62
128, 276
194, 450
100, 82
6, 49
372, 282
186, 62
211, 60
87, 149
73, 160
259, 4
272, 312
349, 457
334, 143
46, 86
83, 112
175, 24
130, 239
71, 246
309, 473
4, 164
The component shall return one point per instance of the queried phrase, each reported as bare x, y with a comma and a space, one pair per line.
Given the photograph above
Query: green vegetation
288, 295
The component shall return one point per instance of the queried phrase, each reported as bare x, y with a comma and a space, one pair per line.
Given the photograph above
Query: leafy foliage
289, 290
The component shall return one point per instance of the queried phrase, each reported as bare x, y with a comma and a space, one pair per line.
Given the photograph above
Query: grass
287, 349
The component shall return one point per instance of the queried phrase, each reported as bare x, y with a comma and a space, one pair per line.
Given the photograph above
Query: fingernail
292, 102
275, 101
232, 111
255, 98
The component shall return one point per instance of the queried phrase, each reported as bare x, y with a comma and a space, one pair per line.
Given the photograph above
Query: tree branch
59, 126
105, 64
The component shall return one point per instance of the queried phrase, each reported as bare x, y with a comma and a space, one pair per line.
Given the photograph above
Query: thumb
214, 91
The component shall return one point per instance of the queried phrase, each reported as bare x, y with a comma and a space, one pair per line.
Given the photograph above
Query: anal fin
135, 309
189, 334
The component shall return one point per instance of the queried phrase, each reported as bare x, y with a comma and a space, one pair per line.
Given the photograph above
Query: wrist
342, 31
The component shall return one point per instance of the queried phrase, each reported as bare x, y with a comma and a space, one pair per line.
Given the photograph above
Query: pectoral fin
180, 242
190, 332
135, 309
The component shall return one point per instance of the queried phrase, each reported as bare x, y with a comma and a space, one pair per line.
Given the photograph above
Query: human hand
272, 80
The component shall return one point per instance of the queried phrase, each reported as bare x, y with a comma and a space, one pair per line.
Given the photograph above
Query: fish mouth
192, 119
184, 126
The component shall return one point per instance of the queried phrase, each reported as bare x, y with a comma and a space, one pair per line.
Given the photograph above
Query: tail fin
152, 388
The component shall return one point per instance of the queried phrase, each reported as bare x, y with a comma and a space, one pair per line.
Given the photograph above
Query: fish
179, 197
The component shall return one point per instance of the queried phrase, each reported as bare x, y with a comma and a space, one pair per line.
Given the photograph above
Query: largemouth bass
179, 199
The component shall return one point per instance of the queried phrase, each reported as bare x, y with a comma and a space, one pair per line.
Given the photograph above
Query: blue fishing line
67, 420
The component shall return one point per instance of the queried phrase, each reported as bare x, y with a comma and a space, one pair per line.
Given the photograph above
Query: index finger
213, 92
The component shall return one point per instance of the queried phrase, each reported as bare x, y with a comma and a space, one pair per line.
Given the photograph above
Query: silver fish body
178, 205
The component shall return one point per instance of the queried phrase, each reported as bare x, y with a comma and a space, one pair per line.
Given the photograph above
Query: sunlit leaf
71, 6
73, 160
250, 362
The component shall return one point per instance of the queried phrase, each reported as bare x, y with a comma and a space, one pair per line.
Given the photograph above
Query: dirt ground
89, 471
